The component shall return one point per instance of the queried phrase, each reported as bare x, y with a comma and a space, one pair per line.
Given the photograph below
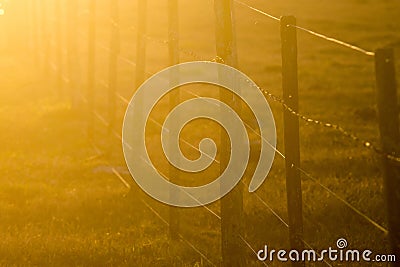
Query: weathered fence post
113, 65
35, 31
291, 133
141, 47
174, 98
232, 227
59, 47
141, 27
44, 36
91, 67
72, 52
141, 42
388, 115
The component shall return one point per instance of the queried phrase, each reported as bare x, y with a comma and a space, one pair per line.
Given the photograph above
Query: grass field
61, 204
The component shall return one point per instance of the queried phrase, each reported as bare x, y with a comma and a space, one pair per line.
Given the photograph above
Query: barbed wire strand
248, 126
164, 43
104, 84
120, 177
122, 58
353, 208
251, 248
346, 133
284, 223
279, 100
106, 124
166, 222
261, 200
188, 194
320, 35
329, 125
184, 239
109, 50
331, 192
336, 127
103, 120
366, 144
334, 40
183, 140
202, 205
128, 186
186, 142
384, 230
271, 210
113, 169
357, 211
257, 10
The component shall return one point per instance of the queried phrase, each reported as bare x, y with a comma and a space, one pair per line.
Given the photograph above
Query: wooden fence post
141, 42
291, 133
113, 65
388, 116
45, 38
35, 31
91, 67
72, 52
174, 99
232, 226
141, 47
59, 47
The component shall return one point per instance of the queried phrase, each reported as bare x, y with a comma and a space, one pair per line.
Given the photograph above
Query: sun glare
1, 12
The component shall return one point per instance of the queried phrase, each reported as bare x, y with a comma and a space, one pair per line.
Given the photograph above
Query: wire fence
67, 79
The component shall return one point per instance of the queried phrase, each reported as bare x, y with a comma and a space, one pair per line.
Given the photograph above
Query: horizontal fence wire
122, 58
329, 125
304, 118
368, 219
202, 205
349, 205
182, 51
336, 127
257, 10
314, 33
109, 50
260, 199
284, 223
271, 210
367, 144
180, 236
128, 186
251, 248
337, 41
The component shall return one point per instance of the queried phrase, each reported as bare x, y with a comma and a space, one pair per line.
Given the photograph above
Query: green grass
61, 205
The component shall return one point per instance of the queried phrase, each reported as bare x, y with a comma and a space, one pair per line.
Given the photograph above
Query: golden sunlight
69, 131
